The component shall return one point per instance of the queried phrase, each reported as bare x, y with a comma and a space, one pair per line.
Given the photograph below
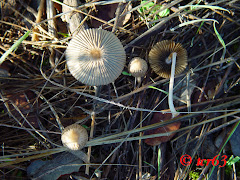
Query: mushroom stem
170, 95
93, 116
139, 80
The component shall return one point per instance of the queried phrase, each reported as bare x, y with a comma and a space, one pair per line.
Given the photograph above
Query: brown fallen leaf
159, 117
108, 12
24, 102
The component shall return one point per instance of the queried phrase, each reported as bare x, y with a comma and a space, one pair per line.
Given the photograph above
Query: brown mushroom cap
74, 137
160, 58
137, 67
95, 57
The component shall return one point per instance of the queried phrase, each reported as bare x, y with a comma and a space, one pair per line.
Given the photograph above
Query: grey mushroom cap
95, 57
160, 58
137, 67
74, 137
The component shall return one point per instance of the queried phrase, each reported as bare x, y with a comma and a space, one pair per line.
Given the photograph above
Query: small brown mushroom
160, 58
137, 67
158, 117
74, 137
95, 57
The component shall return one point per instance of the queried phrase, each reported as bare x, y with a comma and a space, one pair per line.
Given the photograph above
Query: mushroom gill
160, 58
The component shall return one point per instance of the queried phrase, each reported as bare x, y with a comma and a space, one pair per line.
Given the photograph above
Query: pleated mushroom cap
137, 67
95, 57
160, 58
74, 137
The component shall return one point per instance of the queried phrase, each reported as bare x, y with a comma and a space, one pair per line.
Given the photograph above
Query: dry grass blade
39, 155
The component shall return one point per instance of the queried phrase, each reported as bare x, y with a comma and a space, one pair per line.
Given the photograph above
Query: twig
93, 117
38, 19
118, 11
140, 152
73, 18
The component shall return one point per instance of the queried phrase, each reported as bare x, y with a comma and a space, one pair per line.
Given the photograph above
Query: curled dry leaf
108, 12
4, 72
60, 165
159, 117
5, 68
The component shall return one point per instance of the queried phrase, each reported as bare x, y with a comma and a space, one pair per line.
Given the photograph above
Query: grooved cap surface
137, 67
95, 57
160, 58
74, 137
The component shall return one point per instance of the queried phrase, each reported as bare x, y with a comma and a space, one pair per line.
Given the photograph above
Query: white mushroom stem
170, 95
139, 80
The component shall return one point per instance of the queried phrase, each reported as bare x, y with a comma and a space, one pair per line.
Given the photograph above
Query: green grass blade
192, 22
159, 162
126, 73
196, 33
13, 47
152, 87
204, 6
232, 160
220, 40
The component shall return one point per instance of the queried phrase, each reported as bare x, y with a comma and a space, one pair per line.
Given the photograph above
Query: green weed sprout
13, 47
151, 8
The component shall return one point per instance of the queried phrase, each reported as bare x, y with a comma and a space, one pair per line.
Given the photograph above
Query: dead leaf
62, 164
159, 117
24, 102
107, 12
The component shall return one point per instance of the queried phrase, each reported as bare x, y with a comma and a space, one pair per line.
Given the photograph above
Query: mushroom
95, 57
74, 137
137, 67
166, 59
161, 57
